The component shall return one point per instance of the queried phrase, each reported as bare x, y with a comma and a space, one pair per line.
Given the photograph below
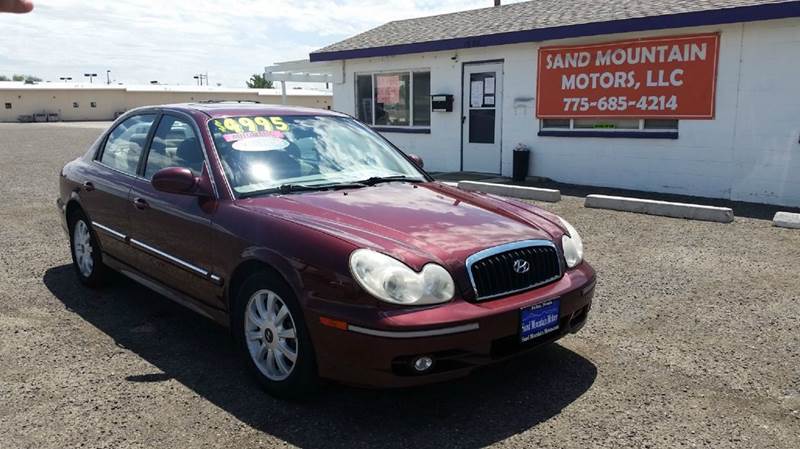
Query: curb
528, 193
786, 220
662, 208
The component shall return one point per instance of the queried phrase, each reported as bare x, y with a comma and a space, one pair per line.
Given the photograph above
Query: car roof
215, 109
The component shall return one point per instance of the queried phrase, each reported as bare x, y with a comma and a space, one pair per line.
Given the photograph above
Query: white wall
766, 151
441, 149
28, 100
748, 152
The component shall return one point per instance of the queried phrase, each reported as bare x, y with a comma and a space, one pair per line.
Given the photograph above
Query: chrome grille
492, 271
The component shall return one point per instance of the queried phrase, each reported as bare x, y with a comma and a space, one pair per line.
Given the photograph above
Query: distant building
72, 102
689, 97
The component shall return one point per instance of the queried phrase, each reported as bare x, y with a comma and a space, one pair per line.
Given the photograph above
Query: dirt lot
694, 341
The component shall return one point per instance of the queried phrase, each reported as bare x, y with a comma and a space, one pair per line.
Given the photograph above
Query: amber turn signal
330, 322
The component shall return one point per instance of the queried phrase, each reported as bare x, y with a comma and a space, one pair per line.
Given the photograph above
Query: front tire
87, 259
272, 337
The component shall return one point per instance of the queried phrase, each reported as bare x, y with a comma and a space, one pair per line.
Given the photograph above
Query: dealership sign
670, 77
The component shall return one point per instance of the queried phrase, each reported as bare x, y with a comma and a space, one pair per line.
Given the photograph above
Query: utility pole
91, 76
201, 78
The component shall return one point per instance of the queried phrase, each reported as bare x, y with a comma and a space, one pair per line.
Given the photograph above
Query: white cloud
170, 41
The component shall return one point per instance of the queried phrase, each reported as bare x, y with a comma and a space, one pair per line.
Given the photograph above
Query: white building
715, 113
81, 101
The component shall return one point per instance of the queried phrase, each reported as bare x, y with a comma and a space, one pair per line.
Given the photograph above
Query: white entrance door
481, 109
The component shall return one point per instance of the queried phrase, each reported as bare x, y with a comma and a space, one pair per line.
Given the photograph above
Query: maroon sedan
329, 252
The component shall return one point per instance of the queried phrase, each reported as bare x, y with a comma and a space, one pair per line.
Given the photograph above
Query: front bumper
460, 336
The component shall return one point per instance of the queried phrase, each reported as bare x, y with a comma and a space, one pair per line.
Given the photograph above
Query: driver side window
174, 145
126, 142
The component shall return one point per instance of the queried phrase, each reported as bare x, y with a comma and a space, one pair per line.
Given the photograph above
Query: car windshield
264, 154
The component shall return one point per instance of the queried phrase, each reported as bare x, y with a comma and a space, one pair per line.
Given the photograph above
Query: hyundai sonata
327, 251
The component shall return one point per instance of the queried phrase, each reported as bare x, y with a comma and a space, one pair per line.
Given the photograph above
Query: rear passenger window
174, 145
125, 144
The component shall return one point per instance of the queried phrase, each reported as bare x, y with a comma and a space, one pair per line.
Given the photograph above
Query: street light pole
91, 76
200, 78
108, 76
65, 78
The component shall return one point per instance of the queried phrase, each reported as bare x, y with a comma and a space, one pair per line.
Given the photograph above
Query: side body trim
169, 257
109, 231
414, 334
157, 252
218, 315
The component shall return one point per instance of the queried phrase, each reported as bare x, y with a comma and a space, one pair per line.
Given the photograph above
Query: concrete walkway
740, 208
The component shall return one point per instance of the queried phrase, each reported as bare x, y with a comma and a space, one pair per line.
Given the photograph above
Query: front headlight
392, 281
572, 244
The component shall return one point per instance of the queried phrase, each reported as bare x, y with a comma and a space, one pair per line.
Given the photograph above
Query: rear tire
272, 337
87, 259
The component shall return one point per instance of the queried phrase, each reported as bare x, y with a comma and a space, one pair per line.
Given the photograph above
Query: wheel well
244, 270
72, 208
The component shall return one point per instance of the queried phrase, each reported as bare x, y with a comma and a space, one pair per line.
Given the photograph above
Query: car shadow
490, 405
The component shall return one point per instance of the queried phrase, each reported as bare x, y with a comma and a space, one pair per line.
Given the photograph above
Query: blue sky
171, 40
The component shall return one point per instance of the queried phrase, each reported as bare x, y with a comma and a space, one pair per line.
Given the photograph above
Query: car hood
416, 223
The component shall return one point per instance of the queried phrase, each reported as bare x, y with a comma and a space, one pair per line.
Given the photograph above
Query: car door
172, 232
106, 186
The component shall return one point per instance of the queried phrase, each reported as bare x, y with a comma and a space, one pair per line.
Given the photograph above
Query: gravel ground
693, 342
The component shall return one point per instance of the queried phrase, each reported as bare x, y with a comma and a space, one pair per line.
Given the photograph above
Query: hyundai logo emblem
521, 266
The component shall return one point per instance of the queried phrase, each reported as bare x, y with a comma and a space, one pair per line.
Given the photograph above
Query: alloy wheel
271, 334
82, 246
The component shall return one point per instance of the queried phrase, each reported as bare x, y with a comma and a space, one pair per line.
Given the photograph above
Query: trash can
522, 157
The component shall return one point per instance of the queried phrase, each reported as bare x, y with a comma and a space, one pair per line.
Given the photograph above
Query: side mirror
417, 160
177, 180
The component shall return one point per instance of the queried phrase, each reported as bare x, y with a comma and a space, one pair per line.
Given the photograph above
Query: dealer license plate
538, 320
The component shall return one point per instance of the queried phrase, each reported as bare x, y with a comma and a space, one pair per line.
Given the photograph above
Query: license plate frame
539, 319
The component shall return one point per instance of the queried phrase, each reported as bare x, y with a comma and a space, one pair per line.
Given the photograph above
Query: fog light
422, 364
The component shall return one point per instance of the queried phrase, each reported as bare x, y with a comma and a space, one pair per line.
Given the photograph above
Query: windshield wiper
285, 189
378, 179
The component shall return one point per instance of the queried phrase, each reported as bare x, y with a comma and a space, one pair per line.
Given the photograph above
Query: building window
93, 104
74, 104
422, 98
8, 105
394, 99
610, 124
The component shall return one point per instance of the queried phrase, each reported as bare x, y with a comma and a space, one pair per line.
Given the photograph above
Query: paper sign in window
488, 86
388, 89
476, 94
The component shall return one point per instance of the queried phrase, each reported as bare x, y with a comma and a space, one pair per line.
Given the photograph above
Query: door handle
140, 203
88, 186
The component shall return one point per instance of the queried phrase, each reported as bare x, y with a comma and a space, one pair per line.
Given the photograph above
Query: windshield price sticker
671, 77
248, 135
237, 128
266, 143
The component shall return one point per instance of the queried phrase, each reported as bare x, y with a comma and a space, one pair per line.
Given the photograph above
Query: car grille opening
495, 275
